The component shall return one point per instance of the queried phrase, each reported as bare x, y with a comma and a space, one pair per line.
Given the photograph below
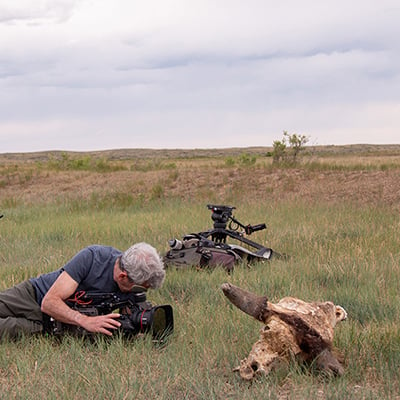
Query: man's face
125, 283
130, 286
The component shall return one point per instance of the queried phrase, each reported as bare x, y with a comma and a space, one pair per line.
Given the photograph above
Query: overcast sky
106, 74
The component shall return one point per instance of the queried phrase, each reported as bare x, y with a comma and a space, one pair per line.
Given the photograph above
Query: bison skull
292, 327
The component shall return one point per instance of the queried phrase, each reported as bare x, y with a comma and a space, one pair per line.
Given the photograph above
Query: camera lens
175, 244
159, 320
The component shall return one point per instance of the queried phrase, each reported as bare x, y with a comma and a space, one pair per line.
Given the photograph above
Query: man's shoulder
100, 248
102, 252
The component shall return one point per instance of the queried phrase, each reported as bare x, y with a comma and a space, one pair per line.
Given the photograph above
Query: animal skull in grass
292, 327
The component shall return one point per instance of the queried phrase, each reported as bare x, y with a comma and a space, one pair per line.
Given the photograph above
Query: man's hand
100, 323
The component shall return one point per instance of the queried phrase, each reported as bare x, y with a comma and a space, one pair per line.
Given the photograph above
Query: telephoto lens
175, 244
158, 320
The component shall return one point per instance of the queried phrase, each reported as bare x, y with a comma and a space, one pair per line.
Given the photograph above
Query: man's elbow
45, 307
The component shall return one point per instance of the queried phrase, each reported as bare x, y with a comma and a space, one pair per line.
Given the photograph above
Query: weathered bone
292, 327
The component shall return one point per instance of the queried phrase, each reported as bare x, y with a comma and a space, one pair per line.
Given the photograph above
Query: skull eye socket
254, 366
266, 328
340, 313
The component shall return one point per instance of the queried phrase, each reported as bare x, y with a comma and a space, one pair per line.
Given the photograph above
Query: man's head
143, 266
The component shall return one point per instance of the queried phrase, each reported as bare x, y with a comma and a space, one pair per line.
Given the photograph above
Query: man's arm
54, 305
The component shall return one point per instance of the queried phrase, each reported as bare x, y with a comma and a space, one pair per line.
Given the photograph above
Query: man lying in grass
95, 268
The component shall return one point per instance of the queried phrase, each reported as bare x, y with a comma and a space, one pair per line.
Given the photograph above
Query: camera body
137, 314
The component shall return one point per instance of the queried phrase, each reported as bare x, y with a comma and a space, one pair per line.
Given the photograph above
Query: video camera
137, 314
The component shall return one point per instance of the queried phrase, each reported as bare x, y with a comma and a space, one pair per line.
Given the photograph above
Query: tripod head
220, 215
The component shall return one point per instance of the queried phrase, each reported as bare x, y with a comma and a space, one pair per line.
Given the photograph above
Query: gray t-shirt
92, 268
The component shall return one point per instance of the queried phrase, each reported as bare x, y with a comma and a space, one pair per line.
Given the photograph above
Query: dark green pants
19, 311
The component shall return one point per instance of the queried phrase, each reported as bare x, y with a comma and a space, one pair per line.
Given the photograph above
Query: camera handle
249, 229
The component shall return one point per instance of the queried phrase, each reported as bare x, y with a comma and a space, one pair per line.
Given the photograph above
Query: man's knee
13, 327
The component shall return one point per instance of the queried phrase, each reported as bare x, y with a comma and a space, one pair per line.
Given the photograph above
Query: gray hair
143, 264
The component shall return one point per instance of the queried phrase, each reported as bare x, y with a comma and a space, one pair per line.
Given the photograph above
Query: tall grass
344, 253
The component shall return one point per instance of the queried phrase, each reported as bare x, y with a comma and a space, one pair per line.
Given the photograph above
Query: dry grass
360, 174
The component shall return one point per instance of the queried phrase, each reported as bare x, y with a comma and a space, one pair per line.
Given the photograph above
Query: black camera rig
223, 217
137, 314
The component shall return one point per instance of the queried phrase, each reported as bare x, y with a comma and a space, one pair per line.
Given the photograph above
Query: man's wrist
79, 318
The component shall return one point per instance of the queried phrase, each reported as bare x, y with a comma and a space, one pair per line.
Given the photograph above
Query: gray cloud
98, 74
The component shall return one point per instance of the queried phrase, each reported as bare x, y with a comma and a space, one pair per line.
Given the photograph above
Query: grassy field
336, 214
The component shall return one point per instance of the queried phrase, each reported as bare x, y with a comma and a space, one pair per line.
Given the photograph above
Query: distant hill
126, 154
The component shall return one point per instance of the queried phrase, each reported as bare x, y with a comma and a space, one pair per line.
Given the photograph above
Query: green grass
343, 252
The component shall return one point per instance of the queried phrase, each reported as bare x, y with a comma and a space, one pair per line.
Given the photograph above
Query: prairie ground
360, 174
336, 213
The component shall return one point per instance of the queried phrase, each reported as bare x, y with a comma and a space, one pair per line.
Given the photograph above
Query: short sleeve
79, 266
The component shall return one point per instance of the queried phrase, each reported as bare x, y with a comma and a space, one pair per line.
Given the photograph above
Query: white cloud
36, 12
